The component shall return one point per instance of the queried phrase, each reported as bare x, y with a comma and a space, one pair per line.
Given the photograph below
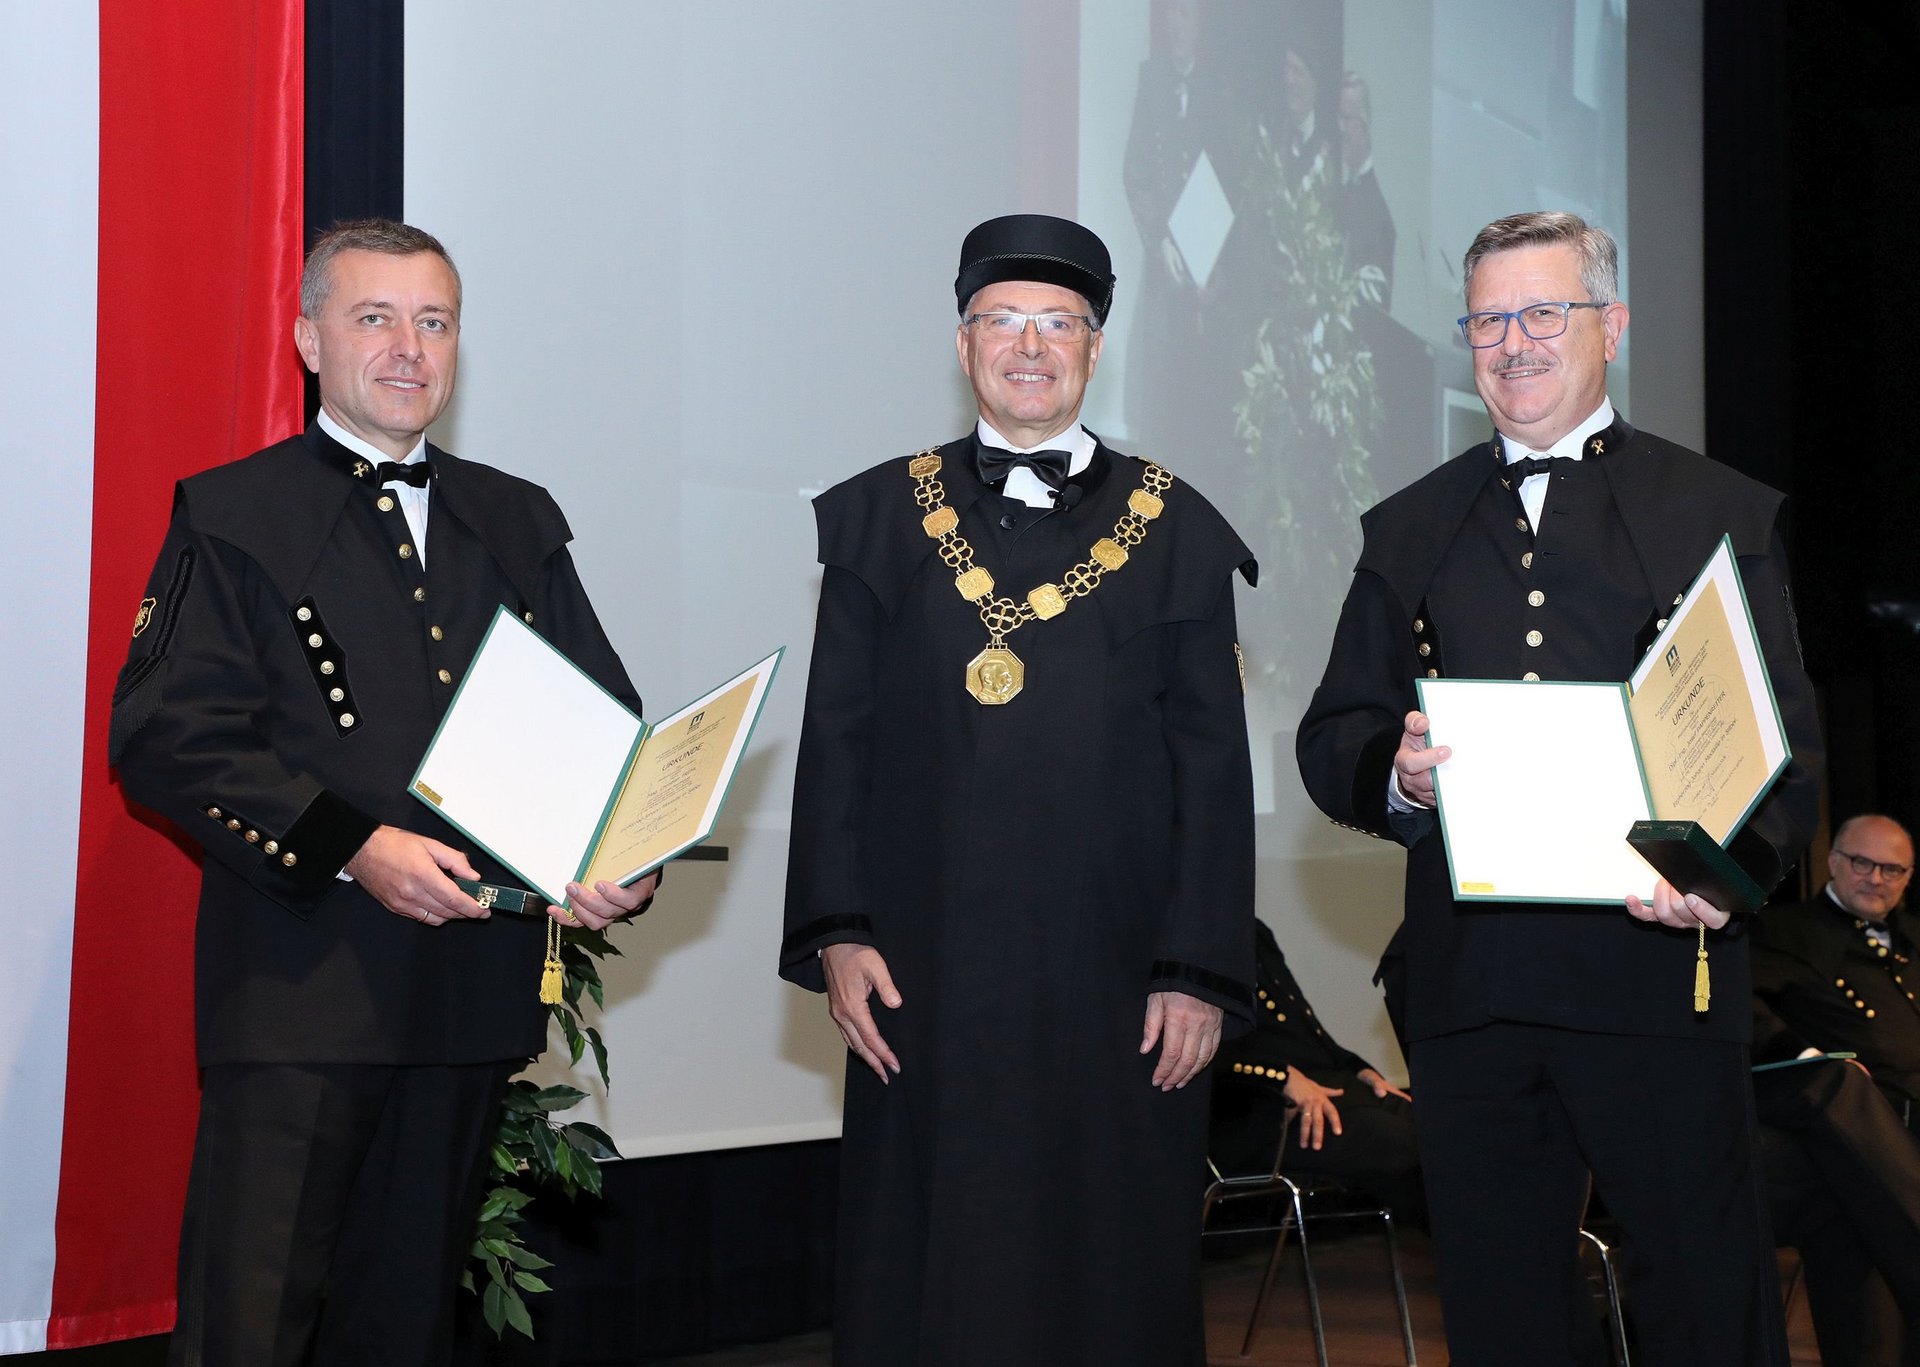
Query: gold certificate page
1703, 710
673, 793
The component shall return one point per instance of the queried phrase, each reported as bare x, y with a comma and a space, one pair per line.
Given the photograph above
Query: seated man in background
1830, 974
1353, 1123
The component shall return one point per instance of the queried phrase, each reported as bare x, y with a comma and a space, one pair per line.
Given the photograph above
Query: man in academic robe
358, 1013
1022, 854
1556, 1046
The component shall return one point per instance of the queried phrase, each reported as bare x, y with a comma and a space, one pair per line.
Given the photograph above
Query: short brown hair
381, 235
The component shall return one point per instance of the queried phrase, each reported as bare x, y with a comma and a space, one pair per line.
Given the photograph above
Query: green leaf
529, 1282
466, 1280
589, 1139
560, 1098
598, 993
497, 1247
599, 1055
523, 1256
497, 1270
587, 1174
494, 1306
504, 1161
563, 1162
545, 1144
517, 1314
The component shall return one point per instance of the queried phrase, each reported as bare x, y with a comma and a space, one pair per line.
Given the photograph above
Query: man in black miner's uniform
1352, 1123
1022, 855
357, 1014
1550, 1045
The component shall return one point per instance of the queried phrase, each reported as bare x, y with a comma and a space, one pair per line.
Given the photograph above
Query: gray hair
1599, 255
381, 235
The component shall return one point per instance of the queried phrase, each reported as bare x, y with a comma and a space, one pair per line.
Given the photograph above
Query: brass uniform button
1660, 625
444, 676
1433, 673
253, 837
326, 666
1529, 677
271, 847
419, 595
528, 617
289, 859
1869, 1013
435, 632
1425, 649
1534, 638
1526, 561
337, 694
214, 812
1536, 598
406, 551
233, 823
1520, 524
304, 614
385, 504
1419, 625
315, 641
346, 719
1280, 1015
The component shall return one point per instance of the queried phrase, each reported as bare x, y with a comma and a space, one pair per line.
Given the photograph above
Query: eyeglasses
1539, 321
1001, 325
1863, 866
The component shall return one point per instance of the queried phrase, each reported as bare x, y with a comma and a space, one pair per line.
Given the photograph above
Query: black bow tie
416, 474
993, 464
1518, 472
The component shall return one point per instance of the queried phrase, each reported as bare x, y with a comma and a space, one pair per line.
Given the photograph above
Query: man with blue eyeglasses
1556, 1049
1021, 863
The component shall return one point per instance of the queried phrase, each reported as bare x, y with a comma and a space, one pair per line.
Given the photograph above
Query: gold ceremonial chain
996, 675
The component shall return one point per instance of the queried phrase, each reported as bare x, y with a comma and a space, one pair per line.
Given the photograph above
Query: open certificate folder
561, 783
1546, 779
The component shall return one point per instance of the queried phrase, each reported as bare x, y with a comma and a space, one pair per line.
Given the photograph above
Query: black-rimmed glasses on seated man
1488, 327
1863, 866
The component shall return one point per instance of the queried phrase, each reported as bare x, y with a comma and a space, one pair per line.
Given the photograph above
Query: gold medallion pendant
995, 676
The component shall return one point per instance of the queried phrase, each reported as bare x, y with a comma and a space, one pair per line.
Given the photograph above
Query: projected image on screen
1300, 180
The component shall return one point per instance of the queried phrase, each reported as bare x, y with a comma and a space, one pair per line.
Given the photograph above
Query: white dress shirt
1022, 483
413, 502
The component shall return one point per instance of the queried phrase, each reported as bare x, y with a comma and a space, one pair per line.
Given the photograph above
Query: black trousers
1513, 1120
329, 1209
1843, 1182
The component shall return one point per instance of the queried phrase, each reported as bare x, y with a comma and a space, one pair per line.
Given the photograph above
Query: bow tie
1518, 472
993, 464
416, 474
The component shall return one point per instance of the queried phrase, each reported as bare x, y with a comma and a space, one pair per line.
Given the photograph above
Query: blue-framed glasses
1538, 321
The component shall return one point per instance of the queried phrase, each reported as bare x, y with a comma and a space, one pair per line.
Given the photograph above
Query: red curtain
200, 247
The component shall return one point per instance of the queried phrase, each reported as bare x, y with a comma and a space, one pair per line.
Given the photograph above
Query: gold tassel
553, 977
1702, 988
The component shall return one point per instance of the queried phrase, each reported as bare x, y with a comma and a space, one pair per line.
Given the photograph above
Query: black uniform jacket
1820, 982
289, 669
1286, 1033
1582, 968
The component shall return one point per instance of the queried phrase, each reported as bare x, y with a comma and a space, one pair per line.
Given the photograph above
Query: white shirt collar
1572, 446
367, 448
1023, 484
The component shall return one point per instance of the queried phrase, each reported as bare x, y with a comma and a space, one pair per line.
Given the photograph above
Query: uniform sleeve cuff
1229, 994
315, 848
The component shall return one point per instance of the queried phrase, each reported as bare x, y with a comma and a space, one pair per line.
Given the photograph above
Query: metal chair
1298, 1198
1616, 1318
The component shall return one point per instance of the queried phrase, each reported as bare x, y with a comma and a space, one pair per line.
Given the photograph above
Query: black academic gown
1020, 1194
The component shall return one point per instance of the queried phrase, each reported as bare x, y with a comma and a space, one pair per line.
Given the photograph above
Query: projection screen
708, 252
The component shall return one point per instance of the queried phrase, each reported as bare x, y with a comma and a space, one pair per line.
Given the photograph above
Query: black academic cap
1055, 251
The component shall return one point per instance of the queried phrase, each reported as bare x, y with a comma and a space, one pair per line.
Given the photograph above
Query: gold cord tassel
553, 977
1702, 988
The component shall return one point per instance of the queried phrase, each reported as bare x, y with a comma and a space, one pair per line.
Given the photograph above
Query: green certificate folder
1589, 792
555, 778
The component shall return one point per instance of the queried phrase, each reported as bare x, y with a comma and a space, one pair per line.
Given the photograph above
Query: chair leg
1266, 1280
1616, 1317
1399, 1289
